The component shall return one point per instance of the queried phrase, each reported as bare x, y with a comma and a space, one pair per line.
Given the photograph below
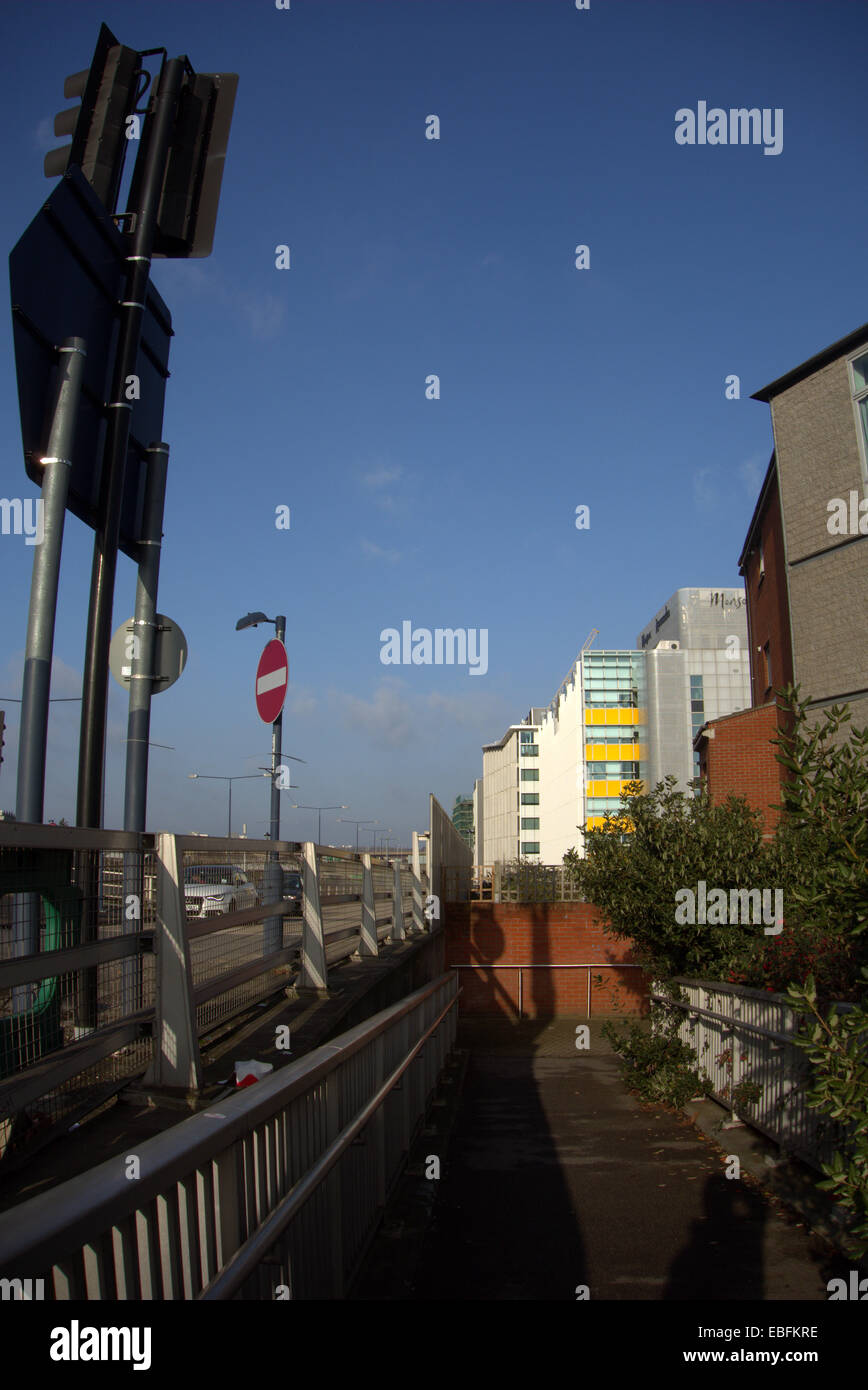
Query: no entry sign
272, 678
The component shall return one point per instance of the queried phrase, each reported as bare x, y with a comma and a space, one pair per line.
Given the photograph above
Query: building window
530, 798
530, 822
530, 846
859, 381
526, 736
762, 564
530, 774
529, 750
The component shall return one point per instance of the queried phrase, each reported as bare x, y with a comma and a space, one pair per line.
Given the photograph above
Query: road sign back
67, 274
272, 679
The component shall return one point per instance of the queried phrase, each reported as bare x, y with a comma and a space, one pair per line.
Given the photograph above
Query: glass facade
615, 694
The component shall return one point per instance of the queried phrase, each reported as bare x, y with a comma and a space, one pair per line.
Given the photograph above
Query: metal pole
139, 715
44, 584
272, 933
229, 831
131, 313
42, 616
276, 746
144, 648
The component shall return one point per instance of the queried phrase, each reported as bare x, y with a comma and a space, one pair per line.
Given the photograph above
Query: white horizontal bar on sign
271, 680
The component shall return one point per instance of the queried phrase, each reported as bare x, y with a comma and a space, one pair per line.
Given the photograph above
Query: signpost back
67, 275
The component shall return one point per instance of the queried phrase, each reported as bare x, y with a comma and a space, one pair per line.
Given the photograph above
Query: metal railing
275, 1193
743, 1035
511, 883
110, 939
492, 967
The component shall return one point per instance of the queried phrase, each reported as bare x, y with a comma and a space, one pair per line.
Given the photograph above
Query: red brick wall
768, 605
740, 760
491, 936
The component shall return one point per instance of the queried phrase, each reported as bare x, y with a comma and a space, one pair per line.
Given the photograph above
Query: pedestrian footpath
556, 1183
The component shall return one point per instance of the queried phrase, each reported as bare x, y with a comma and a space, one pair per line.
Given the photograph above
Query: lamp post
320, 809
344, 820
215, 777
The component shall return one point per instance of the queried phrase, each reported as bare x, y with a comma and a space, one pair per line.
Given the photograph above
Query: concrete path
554, 1177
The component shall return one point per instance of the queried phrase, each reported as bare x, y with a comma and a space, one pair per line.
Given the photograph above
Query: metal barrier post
419, 922
314, 970
397, 932
368, 943
176, 1062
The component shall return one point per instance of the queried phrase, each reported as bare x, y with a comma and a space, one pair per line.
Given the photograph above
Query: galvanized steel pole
144, 645
44, 584
42, 616
158, 137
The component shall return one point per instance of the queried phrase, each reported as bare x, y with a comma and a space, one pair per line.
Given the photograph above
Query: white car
211, 890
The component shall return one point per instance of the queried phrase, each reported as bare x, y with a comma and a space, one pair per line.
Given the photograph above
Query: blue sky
410, 257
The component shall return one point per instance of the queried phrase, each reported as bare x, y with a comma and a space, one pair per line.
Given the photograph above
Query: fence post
397, 932
314, 970
419, 922
175, 1063
368, 943
495, 882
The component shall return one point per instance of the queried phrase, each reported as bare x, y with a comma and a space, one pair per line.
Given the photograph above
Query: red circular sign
272, 679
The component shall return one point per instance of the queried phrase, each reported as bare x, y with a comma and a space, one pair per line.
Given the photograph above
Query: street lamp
297, 807
214, 777
344, 820
378, 833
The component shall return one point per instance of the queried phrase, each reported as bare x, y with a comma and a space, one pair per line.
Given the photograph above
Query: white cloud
261, 312
705, 493
44, 138
378, 553
381, 476
387, 718
394, 713
752, 471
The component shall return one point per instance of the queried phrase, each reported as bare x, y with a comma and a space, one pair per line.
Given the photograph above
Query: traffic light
191, 185
98, 126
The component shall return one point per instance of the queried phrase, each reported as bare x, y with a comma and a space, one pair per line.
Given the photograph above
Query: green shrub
656, 1064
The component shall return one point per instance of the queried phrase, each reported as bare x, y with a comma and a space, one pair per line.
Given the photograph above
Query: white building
618, 716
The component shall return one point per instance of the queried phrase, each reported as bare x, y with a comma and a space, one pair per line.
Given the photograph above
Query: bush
798, 952
837, 1047
676, 840
656, 1064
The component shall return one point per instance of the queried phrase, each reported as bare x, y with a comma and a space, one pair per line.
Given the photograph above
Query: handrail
53, 1225
248, 1256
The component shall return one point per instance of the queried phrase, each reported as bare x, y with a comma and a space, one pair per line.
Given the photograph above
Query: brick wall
818, 459
768, 604
740, 761
493, 936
